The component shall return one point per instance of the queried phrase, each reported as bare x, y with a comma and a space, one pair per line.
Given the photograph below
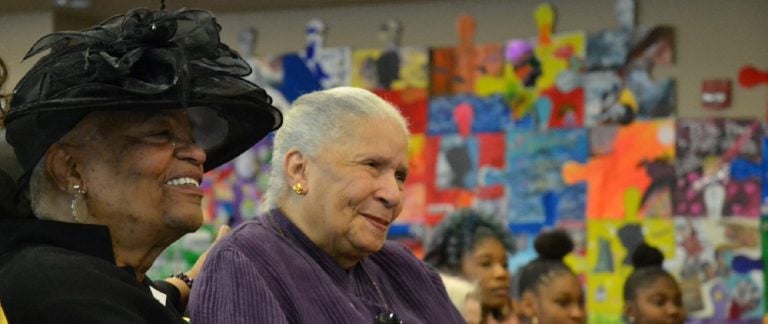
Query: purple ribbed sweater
255, 275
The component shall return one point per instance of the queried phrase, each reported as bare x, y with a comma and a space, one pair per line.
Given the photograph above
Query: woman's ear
527, 305
296, 168
61, 167
630, 311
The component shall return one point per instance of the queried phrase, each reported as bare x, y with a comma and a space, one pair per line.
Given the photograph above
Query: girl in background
549, 291
651, 294
474, 246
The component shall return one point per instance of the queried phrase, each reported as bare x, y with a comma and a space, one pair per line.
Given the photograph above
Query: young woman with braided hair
474, 246
549, 291
651, 294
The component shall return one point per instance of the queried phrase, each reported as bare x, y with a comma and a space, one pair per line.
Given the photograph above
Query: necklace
388, 317
375, 286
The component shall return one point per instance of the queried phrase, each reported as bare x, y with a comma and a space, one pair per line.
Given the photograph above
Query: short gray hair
40, 189
317, 119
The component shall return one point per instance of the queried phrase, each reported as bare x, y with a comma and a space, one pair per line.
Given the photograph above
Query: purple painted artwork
718, 168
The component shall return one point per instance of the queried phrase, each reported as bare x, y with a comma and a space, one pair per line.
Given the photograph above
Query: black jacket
55, 272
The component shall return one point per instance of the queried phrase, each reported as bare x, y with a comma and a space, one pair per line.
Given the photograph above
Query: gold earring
298, 188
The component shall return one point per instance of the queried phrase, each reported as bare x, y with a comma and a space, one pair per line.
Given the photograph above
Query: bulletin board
558, 130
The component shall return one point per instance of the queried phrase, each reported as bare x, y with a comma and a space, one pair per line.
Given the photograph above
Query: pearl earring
79, 192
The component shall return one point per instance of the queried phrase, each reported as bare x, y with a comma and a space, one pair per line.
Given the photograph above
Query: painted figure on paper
655, 98
718, 167
466, 55
721, 275
388, 64
618, 176
266, 71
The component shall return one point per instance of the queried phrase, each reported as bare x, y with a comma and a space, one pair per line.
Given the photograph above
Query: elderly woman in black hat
114, 129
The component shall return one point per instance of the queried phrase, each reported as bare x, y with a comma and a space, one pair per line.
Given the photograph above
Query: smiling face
487, 264
355, 189
142, 174
659, 302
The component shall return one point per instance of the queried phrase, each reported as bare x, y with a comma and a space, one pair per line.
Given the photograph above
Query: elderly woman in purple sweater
319, 253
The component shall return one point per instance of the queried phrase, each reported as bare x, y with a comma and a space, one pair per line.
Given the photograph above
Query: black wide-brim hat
141, 61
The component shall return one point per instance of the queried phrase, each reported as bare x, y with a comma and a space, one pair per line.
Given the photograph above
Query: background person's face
660, 302
143, 174
561, 301
487, 264
355, 188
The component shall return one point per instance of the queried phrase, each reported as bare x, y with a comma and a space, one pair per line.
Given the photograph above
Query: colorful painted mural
558, 130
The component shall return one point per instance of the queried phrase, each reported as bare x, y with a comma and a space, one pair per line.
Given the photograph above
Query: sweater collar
89, 239
294, 235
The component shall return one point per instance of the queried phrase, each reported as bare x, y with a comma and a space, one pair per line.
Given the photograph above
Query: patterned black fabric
143, 60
